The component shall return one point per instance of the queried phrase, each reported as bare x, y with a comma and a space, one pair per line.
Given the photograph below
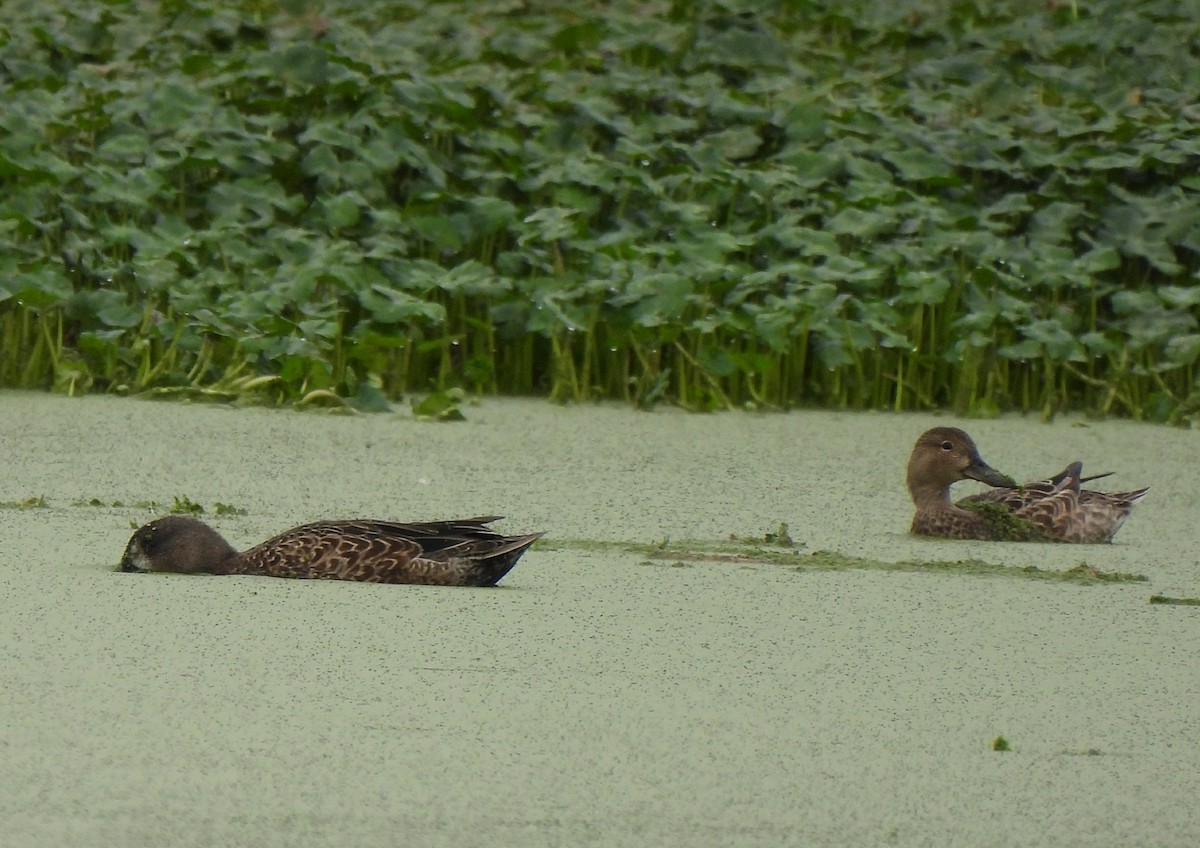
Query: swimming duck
465, 552
1054, 510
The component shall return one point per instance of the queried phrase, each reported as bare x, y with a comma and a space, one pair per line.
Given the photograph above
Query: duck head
945, 455
177, 543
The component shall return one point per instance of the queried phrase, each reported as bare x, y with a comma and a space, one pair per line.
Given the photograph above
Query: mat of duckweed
669, 666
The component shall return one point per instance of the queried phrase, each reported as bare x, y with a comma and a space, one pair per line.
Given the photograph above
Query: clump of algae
1005, 525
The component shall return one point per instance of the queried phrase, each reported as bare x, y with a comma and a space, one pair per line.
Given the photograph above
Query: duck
1057, 509
462, 552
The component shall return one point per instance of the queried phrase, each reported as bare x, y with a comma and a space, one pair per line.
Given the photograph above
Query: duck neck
220, 556
930, 496
229, 564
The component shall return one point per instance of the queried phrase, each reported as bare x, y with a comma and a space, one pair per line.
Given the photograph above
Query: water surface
596, 697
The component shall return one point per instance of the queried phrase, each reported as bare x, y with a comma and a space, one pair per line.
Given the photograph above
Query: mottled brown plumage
1056, 510
1064, 510
446, 553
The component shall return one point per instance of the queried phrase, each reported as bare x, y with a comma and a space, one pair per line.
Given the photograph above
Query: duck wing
463, 552
1019, 497
1070, 513
1098, 516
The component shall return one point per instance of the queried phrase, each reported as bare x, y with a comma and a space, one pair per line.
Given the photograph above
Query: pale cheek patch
140, 561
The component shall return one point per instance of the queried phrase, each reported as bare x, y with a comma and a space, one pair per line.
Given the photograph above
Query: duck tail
1132, 497
501, 559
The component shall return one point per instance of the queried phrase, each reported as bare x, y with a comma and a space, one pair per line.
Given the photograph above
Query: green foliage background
903, 204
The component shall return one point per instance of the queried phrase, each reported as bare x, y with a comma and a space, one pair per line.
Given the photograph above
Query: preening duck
1057, 509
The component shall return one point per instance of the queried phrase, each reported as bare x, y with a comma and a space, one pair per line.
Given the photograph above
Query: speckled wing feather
450, 553
1018, 497
1082, 516
1068, 512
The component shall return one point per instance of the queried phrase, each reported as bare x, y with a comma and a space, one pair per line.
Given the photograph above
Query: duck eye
947, 446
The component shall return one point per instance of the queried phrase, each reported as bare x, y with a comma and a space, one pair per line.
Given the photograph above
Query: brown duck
444, 553
1053, 510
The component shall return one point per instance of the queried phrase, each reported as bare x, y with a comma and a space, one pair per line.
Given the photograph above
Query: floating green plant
780, 537
35, 502
186, 506
750, 552
183, 505
98, 502
1005, 525
1183, 602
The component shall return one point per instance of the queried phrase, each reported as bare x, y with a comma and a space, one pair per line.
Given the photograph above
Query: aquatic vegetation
1005, 524
97, 502
780, 536
182, 505
186, 506
1167, 599
440, 406
754, 552
34, 502
854, 204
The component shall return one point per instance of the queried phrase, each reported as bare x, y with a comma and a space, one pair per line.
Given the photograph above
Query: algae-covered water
600, 695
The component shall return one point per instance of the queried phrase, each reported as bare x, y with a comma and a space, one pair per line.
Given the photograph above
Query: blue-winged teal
1053, 510
445, 553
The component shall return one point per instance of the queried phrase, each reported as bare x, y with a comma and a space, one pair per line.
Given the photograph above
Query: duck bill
984, 473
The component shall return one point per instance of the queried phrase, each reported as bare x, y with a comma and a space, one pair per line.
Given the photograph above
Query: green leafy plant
854, 204
439, 406
186, 506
